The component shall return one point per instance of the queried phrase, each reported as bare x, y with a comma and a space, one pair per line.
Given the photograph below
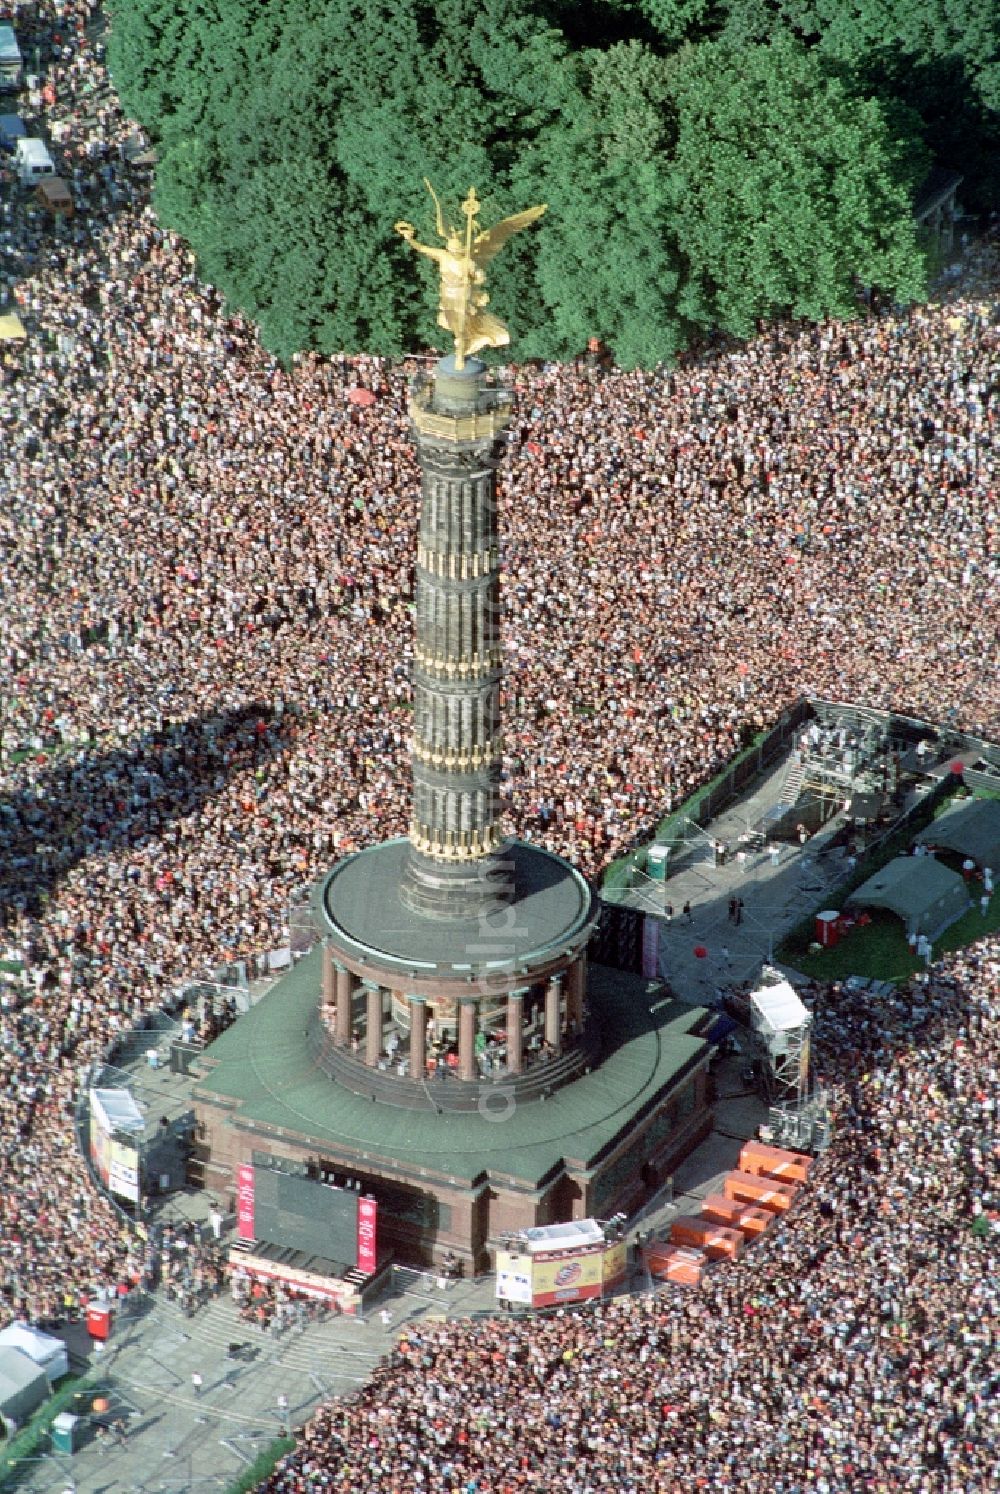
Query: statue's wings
486, 245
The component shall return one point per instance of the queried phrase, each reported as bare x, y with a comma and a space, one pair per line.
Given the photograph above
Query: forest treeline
705, 164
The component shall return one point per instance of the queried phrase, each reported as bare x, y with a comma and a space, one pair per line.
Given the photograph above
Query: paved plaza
776, 896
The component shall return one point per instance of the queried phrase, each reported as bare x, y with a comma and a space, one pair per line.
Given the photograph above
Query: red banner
367, 1210
244, 1203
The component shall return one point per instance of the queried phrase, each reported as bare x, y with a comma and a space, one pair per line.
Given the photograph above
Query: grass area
17, 1457
53, 750
879, 950
262, 1466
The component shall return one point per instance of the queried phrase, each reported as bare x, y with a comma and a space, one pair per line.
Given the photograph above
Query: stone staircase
337, 1348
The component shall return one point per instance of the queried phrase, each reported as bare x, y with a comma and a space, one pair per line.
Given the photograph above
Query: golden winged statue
462, 265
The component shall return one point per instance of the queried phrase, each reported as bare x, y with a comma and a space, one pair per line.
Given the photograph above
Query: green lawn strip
879, 950
262, 1466
17, 1455
19, 755
793, 949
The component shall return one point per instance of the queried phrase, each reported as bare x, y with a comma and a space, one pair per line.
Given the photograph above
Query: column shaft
515, 1032
452, 870
575, 991
328, 975
418, 1037
467, 1039
553, 1016
345, 990
373, 1032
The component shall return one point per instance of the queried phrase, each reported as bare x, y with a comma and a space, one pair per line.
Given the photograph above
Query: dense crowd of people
853, 1349
273, 1307
205, 636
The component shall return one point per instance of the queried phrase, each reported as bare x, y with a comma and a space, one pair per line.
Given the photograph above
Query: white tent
116, 1110
777, 1009
12, 328
782, 1025
563, 1236
23, 1387
48, 1352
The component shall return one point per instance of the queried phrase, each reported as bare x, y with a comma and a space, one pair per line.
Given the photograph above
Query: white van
32, 161
10, 60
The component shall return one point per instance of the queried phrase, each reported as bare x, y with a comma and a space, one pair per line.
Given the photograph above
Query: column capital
414, 1000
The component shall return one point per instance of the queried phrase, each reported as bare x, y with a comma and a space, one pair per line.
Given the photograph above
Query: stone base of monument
476, 1160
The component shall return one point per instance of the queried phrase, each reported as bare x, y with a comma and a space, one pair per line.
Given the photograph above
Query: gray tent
42, 1348
24, 1385
926, 895
971, 827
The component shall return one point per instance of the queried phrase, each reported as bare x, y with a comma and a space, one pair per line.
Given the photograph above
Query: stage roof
778, 1008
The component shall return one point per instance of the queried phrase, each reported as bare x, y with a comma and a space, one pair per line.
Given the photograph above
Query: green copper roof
263, 1065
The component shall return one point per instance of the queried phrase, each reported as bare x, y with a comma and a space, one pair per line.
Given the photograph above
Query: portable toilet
12, 129
64, 1432
99, 1320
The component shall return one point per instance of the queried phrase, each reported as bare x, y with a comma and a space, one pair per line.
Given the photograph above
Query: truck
32, 161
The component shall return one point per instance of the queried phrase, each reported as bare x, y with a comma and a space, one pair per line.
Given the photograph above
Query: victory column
455, 953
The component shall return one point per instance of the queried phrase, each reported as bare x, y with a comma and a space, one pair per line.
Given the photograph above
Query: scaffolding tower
783, 1027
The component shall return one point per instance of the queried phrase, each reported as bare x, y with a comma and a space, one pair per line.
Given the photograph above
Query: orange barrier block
775, 1162
676, 1263
754, 1222
763, 1193
744, 1217
716, 1240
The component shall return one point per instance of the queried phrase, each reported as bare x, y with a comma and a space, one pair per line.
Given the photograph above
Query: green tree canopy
788, 188
921, 31
605, 258
941, 58
706, 162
